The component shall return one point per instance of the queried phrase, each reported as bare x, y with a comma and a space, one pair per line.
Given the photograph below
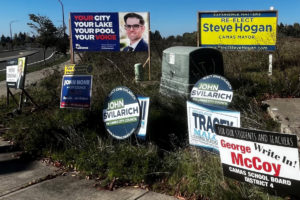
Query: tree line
18, 40
289, 30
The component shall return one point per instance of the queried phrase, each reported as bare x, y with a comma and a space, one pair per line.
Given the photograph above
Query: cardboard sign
267, 159
15, 73
238, 30
73, 69
201, 124
144, 103
76, 91
212, 89
121, 113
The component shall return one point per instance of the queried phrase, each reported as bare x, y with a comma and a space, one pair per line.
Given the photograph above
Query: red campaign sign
262, 158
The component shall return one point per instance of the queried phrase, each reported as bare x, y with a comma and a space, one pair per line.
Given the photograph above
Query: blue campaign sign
121, 113
76, 91
212, 89
95, 31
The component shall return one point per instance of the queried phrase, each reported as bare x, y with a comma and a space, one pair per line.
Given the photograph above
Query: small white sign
12, 73
172, 58
144, 103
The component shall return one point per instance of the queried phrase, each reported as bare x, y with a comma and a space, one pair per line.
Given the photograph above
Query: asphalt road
31, 59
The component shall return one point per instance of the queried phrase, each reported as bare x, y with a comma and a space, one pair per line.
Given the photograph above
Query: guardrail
40, 61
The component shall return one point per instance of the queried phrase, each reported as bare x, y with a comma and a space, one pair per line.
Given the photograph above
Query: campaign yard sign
238, 30
72, 69
76, 91
15, 73
212, 89
267, 159
102, 31
144, 103
95, 31
201, 124
121, 113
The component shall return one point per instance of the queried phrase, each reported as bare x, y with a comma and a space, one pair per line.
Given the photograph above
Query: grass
164, 162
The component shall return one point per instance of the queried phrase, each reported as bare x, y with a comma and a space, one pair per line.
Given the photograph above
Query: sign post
15, 78
270, 64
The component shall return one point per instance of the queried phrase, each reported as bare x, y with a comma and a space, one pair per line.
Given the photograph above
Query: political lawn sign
212, 89
73, 69
144, 103
121, 113
76, 91
267, 159
238, 30
101, 31
201, 124
15, 73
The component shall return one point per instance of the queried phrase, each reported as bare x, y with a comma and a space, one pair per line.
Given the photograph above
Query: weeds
164, 162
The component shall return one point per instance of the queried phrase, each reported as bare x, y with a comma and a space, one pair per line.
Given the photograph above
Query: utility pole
63, 15
11, 38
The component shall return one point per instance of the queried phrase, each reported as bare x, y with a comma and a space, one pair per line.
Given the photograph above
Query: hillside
164, 162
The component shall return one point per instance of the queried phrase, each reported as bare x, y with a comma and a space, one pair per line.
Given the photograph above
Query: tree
46, 31
3, 41
297, 29
62, 43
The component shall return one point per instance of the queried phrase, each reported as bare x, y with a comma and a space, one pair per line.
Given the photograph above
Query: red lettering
84, 18
267, 166
241, 148
276, 169
106, 37
237, 160
247, 160
255, 164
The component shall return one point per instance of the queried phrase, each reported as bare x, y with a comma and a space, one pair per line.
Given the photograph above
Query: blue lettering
205, 27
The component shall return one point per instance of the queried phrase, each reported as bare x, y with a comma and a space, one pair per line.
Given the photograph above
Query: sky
169, 17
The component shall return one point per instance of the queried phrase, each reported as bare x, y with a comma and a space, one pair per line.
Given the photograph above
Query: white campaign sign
263, 158
201, 121
12, 73
144, 102
268, 159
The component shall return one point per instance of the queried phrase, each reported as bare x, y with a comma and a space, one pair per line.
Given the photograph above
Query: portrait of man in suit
20, 73
135, 27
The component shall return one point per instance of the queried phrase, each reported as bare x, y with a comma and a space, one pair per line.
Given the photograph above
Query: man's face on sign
20, 66
134, 29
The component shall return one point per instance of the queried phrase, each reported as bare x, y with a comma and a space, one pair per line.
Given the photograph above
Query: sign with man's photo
112, 31
15, 73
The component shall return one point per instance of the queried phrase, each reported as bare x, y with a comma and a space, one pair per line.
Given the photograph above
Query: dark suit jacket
142, 46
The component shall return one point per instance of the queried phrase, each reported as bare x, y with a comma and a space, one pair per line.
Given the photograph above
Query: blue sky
170, 17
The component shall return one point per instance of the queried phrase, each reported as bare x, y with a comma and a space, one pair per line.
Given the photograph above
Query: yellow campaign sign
73, 69
238, 30
69, 69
